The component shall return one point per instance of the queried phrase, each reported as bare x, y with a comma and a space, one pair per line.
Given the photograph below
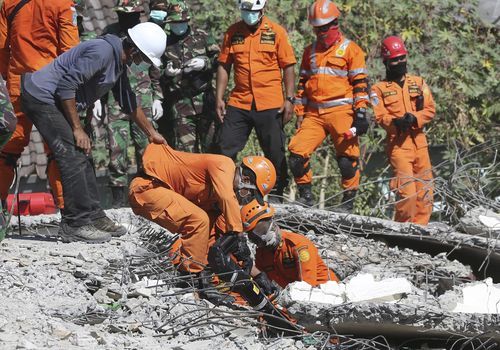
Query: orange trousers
313, 131
18, 141
177, 214
413, 184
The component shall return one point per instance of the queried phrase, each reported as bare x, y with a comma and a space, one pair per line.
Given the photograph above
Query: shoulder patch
237, 39
268, 37
375, 101
414, 89
304, 255
75, 16
389, 93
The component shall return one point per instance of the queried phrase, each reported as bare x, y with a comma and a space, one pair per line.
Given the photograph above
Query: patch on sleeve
237, 39
374, 100
304, 255
389, 93
75, 16
268, 37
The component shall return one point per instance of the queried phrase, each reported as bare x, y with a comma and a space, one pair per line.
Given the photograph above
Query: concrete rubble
79, 296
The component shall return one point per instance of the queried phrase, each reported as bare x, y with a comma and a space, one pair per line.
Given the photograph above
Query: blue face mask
250, 17
158, 15
179, 28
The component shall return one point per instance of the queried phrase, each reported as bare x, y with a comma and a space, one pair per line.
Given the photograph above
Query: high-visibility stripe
332, 103
359, 98
354, 72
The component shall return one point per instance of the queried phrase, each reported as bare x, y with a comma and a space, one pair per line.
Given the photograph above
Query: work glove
404, 123
195, 64
157, 110
360, 121
97, 110
265, 284
170, 71
243, 255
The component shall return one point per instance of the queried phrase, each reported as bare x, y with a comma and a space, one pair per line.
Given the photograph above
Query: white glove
97, 111
170, 71
195, 64
157, 110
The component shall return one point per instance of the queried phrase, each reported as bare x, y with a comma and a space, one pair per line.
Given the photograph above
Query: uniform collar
391, 83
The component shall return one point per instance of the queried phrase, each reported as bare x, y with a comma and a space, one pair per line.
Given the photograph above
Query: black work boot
118, 193
347, 204
275, 196
305, 195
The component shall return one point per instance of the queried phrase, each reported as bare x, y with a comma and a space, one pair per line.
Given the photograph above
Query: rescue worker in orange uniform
332, 97
260, 51
186, 193
281, 256
32, 34
403, 105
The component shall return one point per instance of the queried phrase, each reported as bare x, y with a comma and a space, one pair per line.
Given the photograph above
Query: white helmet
150, 39
251, 5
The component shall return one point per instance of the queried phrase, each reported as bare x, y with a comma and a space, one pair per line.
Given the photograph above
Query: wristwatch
290, 99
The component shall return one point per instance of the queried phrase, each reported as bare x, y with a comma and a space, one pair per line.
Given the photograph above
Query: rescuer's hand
82, 140
265, 284
360, 121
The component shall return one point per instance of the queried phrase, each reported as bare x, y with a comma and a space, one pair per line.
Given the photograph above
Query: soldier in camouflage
190, 62
145, 81
8, 119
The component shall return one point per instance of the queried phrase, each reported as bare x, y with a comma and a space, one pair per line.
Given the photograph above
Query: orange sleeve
307, 264
382, 115
222, 177
358, 77
286, 55
225, 52
427, 114
4, 49
305, 71
68, 29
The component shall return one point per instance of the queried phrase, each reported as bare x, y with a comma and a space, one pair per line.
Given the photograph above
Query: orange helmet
265, 173
322, 12
253, 212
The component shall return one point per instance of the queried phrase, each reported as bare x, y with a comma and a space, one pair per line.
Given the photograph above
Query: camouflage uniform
145, 82
188, 123
8, 119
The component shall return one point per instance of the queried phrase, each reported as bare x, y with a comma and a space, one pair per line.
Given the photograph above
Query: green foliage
449, 46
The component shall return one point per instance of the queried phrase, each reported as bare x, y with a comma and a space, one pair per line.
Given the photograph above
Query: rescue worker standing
145, 82
190, 62
51, 98
260, 50
332, 97
281, 255
403, 105
32, 34
186, 193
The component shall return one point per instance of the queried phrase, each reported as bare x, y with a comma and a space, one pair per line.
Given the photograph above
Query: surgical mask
396, 71
251, 18
270, 239
179, 28
158, 15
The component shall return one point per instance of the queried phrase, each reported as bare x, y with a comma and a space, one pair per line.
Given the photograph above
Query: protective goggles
327, 26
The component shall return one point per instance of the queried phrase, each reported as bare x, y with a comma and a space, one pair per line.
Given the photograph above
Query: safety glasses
327, 26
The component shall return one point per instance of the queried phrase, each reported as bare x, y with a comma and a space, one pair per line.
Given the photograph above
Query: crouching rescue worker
403, 105
186, 193
51, 98
332, 97
281, 255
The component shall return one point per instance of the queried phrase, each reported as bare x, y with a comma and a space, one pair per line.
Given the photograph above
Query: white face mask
270, 239
250, 17
179, 28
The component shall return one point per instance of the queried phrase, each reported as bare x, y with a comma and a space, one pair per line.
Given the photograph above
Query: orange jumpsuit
295, 259
332, 83
408, 152
185, 193
39, 32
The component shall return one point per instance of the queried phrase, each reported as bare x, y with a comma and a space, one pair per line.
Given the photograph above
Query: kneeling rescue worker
403, 105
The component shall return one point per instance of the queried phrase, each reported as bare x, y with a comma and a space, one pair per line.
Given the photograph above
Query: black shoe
107, 225
347, 204
86, 233
118, 193
305, 195
275, 197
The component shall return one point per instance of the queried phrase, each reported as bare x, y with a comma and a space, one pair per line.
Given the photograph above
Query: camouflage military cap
177, 11
129, 6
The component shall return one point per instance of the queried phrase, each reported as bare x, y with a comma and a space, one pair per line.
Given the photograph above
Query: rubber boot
118, 193
305, 195
347, 204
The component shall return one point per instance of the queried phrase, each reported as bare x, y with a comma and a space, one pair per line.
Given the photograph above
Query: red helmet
392, 47
322, 12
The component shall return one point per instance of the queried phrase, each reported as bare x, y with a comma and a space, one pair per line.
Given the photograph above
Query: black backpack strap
14, 12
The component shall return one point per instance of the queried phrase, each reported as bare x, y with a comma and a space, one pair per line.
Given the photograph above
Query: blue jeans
81, 197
